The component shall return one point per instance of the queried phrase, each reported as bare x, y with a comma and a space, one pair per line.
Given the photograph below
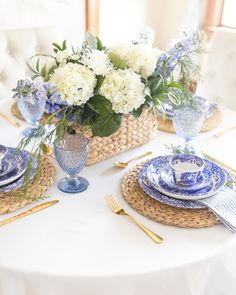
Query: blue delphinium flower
170, 59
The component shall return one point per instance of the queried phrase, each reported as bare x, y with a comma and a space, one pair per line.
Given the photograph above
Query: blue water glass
71, 154
32, 111
187, 122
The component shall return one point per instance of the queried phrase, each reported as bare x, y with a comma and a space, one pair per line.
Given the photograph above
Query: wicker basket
132, 132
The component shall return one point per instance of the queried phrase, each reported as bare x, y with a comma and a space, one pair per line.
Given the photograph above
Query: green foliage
117, 61
100, 80
106, 125
58, 47
91, 40
100, 105
94, 42
136, 113
99, 44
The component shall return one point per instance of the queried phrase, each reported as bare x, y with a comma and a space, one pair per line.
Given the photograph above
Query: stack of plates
206, 107
13, 166
156, 179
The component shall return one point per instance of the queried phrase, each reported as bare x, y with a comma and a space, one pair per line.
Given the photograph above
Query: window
220, 13
228, 18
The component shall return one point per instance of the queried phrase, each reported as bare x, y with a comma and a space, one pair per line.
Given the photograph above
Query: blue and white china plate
8, 163
183, 194
20, 158
21, 180
206, 107
162, 198
3, 151
203, 180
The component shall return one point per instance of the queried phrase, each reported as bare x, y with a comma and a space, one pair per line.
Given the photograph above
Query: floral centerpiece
95, 87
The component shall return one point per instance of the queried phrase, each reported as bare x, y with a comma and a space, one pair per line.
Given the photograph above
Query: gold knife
28, 212
219, 162
10, 120
219, 134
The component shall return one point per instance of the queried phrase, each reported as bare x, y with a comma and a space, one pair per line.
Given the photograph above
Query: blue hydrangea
31, 91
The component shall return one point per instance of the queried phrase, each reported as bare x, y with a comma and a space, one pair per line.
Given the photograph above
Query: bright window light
229, 14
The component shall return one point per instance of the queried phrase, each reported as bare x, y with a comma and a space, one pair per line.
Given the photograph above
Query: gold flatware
28, 212
209, 157
112, 203
10, 120
219, 134
125, 164
46, 149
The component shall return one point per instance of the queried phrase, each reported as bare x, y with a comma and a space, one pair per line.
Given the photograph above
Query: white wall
68, 16
120, 19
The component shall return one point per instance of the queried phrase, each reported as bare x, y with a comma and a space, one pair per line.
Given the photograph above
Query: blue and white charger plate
21, 180
204, 179
16, 162
162, 198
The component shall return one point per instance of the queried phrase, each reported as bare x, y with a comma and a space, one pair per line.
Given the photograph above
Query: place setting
23, 178
183, 190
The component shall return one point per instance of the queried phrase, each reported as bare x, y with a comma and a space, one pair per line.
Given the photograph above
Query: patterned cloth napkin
223, 205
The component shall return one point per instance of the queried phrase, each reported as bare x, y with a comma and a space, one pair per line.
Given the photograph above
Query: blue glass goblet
71, 154
187, 122
32, 110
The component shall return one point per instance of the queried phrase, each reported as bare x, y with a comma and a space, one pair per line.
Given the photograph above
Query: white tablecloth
79, 247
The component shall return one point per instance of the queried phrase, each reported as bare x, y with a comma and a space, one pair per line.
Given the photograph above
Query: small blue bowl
186, 168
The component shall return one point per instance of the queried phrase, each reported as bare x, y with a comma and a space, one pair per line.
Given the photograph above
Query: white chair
218, 69
16, 46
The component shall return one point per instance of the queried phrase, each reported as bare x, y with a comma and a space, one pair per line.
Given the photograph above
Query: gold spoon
46, 149
125, 164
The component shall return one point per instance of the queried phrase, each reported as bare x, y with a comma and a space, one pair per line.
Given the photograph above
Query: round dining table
80, 247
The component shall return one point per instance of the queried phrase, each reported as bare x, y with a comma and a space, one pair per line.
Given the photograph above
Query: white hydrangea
140, 58
124, 89
98, 61
75, 83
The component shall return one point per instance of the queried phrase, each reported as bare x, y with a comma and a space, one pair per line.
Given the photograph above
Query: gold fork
10, 120
112, 203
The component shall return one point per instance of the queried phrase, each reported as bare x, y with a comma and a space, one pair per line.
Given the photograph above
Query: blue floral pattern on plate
204, 179
8, 163
20, 160
162, 198
20, 181
181, 193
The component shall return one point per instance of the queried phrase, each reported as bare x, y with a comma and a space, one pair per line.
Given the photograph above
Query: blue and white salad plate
181, 193
20, 178
166, 175
3, 151
160, 163
16, 163
8, 163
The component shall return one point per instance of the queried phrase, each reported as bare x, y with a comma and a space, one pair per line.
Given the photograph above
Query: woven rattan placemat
209, 123
159, 212
36, 188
